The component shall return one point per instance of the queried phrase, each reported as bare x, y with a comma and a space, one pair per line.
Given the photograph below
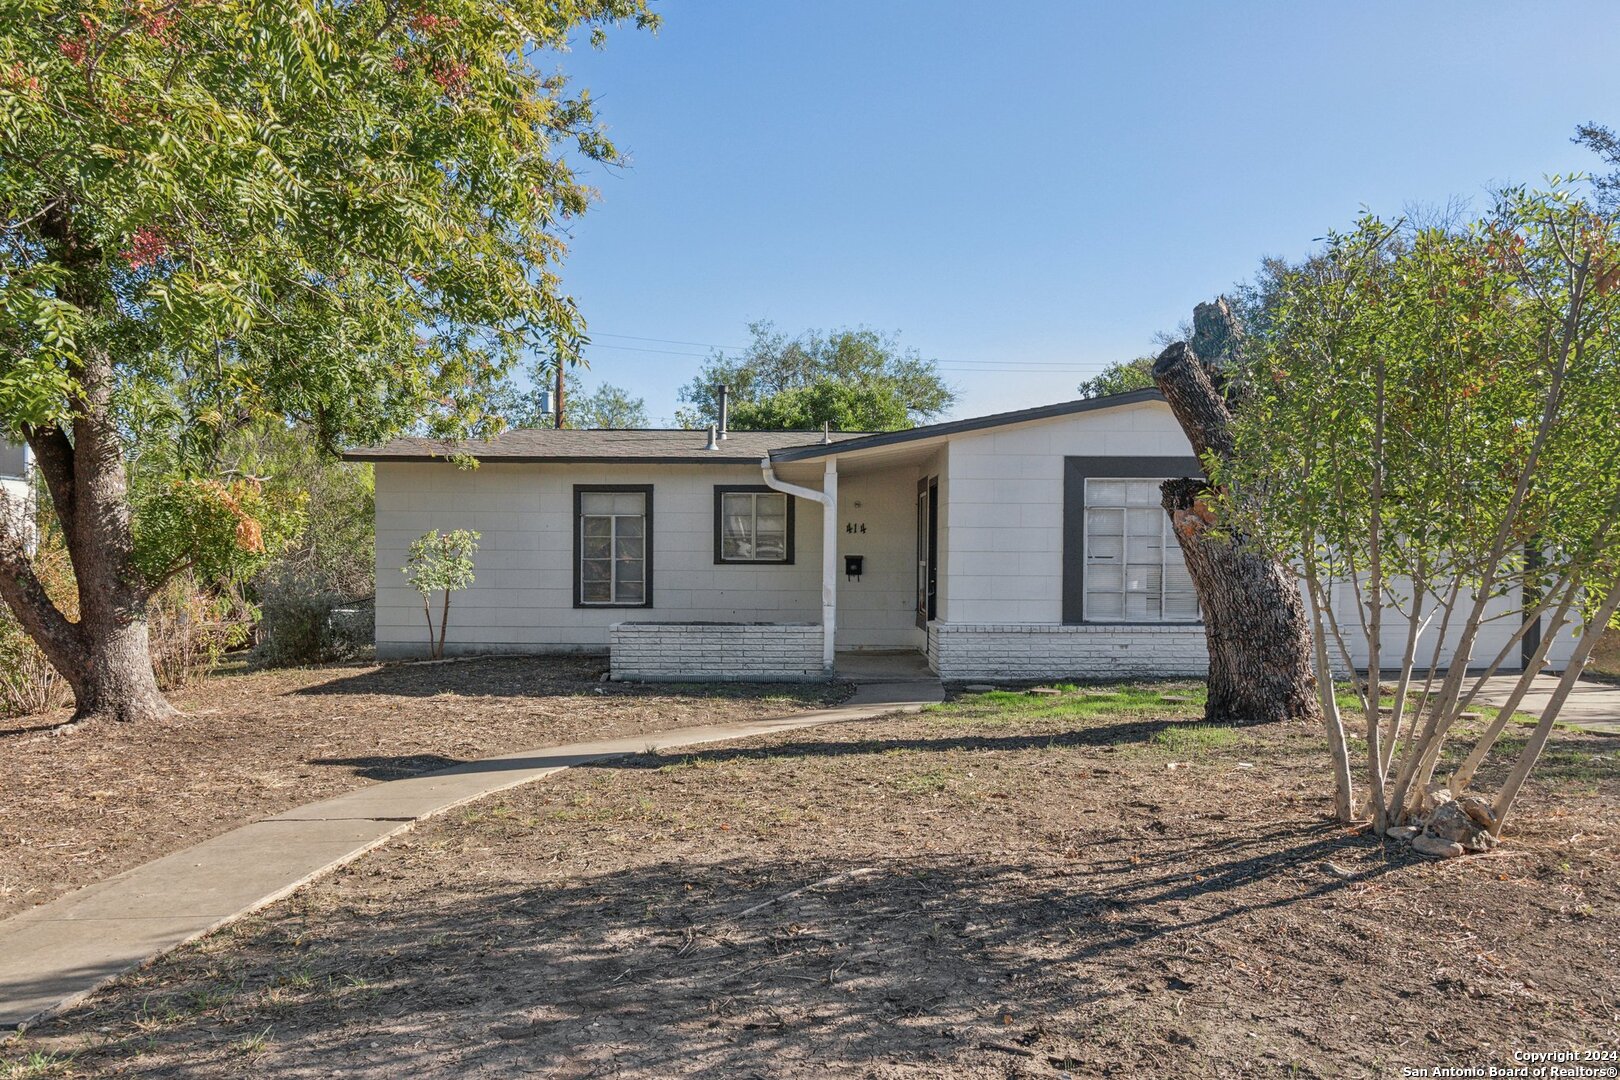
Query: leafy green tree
337, 544
842, 407
345, 214
1426, 406
1603, 142
1120, 377
440, 563
607, 406
857, 380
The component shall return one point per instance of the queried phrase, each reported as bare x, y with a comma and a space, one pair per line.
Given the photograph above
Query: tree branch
56, 637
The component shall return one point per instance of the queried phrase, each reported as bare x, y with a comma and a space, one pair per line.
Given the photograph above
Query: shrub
441, 563
304, 619
191, 629
28, 682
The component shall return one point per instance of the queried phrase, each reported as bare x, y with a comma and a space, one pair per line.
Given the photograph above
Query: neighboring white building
1026, 544
16, 489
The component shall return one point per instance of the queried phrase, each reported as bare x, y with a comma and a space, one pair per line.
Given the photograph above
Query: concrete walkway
55, 954
1592, 706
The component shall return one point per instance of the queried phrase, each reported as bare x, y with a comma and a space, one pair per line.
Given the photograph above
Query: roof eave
559, 459
959, 427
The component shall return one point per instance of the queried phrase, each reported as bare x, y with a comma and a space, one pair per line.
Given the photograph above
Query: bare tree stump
1254, 617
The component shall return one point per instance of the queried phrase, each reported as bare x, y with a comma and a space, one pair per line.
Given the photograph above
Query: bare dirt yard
81, 806
1006, 886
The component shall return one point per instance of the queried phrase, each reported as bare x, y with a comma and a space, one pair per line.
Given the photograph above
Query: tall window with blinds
752, 524
613, 538
1133, 565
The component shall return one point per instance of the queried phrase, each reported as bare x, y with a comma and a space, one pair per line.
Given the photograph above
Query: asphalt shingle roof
642, 445
688, 446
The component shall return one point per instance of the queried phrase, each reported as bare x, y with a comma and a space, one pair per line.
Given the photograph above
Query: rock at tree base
1425, 844
1451, 823
1480, 810
1435, 796
1403, 832
978, 688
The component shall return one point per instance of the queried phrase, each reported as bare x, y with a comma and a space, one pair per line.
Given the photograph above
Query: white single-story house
1027, 544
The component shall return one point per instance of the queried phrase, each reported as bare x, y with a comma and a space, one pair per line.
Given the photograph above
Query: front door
927, 550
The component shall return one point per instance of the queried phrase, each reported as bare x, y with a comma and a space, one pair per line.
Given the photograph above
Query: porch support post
829, 562
828, 498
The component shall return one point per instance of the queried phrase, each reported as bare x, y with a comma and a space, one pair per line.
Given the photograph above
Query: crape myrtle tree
343, 214
1432, 431
440, 563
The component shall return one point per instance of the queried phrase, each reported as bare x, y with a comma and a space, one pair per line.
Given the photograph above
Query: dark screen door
927, 550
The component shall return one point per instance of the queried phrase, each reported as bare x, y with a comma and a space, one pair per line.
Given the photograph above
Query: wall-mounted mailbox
853, 565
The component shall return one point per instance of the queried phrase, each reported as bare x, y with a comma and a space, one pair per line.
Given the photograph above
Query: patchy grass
1195, 738
86, 805
1008, 885
35, 1065
1071, 702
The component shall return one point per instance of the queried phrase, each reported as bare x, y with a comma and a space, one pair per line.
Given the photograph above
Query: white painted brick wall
991, 651
710, 652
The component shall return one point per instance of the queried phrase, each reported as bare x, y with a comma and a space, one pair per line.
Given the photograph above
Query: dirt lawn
78, 807
1004, 886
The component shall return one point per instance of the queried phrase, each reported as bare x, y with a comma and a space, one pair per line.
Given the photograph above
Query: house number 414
854, 526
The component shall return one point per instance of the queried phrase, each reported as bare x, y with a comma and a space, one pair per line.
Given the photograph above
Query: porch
878, 519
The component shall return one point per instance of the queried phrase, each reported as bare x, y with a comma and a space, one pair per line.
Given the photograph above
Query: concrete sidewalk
55, 954
1592, 706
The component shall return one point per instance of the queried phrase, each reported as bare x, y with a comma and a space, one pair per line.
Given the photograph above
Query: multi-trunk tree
212, 213
1431, 432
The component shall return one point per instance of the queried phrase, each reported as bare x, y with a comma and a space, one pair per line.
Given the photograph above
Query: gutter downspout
828, 498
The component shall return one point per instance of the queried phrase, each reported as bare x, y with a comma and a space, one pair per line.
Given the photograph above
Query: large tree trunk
104, 656
1254, 618
1255, 623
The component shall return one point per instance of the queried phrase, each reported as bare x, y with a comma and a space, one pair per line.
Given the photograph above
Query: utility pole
558, 405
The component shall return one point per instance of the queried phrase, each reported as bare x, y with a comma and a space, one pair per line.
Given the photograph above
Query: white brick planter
964, 651
716, 652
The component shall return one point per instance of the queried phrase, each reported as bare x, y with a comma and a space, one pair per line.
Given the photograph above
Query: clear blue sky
1027, 198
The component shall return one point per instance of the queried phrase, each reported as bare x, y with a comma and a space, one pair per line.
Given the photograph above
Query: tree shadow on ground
393, 767
738, 966
1124, 733
547, 676
53, 727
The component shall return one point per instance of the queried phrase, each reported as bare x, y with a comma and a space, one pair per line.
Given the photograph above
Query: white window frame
1167, 537
645, 517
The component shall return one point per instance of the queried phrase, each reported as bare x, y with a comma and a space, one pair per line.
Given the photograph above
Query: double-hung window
613, 546
752, 525
1134, 569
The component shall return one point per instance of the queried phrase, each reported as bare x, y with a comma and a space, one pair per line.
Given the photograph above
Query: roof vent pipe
826, 432
712, 444
725, 410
